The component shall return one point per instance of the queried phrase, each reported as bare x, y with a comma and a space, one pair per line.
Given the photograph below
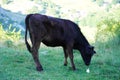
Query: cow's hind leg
35, 55
66, 56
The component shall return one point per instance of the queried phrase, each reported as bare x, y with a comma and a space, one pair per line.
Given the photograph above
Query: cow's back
60, 32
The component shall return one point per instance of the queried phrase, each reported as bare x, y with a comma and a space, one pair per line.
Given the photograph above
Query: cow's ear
94, 52
91, 47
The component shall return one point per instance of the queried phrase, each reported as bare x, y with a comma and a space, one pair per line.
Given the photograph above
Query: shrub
108, 32
9, 36
9, 43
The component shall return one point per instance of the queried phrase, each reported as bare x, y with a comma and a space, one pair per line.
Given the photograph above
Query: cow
54, 32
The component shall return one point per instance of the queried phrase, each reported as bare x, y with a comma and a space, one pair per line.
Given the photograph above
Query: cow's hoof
39, 68
65, 64
72, 68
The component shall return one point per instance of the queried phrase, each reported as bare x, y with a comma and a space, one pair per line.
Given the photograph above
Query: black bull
56, 32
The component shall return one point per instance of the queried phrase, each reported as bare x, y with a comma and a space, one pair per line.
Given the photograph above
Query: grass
18, 64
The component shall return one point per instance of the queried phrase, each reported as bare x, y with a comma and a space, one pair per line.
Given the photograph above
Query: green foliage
9, 36
109, 28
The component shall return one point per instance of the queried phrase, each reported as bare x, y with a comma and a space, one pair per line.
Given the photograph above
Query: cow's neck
83, 41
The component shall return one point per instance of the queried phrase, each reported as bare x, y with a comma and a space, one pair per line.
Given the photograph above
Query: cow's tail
27, 29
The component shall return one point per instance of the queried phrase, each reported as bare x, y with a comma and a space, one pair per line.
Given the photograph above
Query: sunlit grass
18, 64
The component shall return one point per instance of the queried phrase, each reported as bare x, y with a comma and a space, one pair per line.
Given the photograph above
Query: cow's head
87, 54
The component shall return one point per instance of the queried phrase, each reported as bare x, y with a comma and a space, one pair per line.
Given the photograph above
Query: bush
108, 32
9, 36
9, 43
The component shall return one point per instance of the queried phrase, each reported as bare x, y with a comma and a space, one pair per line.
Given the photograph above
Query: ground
16, 64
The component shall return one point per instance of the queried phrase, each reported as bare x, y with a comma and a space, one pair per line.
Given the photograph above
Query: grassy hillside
17, 64
103, 31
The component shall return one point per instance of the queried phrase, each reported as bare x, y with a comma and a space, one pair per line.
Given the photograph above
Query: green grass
18, 64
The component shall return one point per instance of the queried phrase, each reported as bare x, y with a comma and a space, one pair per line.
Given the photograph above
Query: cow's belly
53, 43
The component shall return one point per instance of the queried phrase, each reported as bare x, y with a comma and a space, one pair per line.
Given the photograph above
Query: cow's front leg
71, 59
69, 51
36, 56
